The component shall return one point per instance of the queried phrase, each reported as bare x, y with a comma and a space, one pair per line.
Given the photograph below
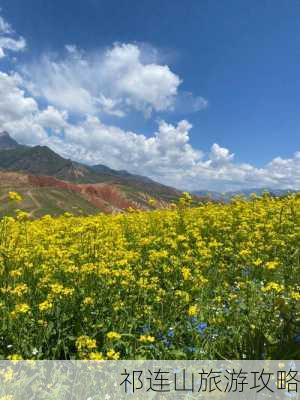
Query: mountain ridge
7, 142
106, 189
41, 160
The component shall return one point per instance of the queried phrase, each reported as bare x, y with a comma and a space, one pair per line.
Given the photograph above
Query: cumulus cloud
18, 113
166, 156
8, 39
219, 155
13, 102
53, 119
113, 81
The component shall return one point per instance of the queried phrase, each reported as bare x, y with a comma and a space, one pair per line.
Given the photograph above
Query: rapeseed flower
113, 335
147, 339
193, 310
204, 272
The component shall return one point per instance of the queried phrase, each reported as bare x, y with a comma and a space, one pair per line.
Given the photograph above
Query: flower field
207, 282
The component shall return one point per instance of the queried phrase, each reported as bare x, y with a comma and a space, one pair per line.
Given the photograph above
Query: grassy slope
41, 201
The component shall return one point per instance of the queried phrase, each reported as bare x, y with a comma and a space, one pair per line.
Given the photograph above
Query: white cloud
52, 118
167, 155
26, 131
219, 155
142, 85
110, 106
12, 44
5, 27
100, 143
13, 102
112, 81
18, 112
8, 41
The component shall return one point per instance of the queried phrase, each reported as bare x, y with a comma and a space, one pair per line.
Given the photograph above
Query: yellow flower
22, 308
193, 310
272, 265
15, 273
295, 296
20, 289
146, 339
113, 335
57, 288
186, 273
14, 196
245, 252
15, 357
88, 301
113, 355
95, 356
45, 305
127, 270
273, 287
85, 343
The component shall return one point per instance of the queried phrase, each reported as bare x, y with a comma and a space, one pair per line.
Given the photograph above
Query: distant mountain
216, 196
260, 192
227, 196
102, 169
137, 183
42, 162
6, 142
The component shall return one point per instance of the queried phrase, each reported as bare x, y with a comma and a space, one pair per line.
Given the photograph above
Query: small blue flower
201, 327
191, 349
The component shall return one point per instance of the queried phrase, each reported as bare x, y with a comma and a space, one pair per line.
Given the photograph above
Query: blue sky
230, 69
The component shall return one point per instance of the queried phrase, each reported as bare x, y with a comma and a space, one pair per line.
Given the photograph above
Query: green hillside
41, 201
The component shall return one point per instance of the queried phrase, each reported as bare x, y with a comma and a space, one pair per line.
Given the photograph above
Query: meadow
216, 281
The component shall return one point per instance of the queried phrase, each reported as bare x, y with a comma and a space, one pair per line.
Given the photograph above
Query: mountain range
227, 196
52, 184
